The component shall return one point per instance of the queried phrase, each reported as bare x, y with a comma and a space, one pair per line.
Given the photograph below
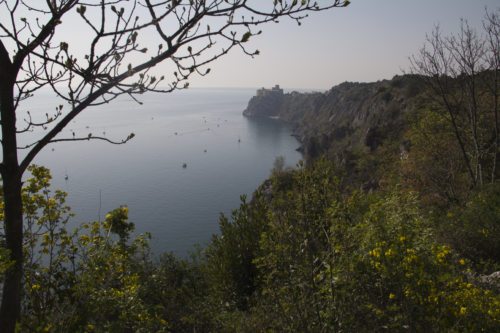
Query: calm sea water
226, 155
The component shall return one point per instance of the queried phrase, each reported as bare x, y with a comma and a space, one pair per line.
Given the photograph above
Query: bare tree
462, 73
189, 35
492, 27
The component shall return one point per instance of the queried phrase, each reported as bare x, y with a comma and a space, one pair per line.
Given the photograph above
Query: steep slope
350, 115
349, 120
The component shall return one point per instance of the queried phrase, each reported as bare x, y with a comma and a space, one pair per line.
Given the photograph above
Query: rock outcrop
266, 103
349, 116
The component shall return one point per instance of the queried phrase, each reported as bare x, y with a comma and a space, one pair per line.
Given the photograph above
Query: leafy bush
304, 255
474, 229
87, 280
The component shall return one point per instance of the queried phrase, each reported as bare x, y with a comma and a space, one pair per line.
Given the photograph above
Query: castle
274, 90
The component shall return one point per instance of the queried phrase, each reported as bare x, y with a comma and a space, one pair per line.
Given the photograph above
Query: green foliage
230, 257
116, 222
49, 250
474, 228
88, 280
108, 280
304, 255
328, 261
177, 289
246, 36
292, 248
434, 166
409, 280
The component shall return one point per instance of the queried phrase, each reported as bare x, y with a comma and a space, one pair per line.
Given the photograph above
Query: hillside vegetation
348, 121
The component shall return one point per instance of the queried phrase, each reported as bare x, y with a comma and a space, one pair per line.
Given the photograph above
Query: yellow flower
392, 296
442, 254
461, 262
402, 239
375, 253
35, 287
432, 299
463, 311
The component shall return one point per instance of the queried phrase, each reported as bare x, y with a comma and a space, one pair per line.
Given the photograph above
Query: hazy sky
367, 41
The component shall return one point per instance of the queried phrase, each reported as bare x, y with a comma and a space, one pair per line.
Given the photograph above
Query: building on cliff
274, 90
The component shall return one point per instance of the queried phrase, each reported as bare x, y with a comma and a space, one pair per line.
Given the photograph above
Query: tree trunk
10, 308
11, 295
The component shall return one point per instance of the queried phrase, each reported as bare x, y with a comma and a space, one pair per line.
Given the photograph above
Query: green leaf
64, 46
69, 63
246, 37
81, 10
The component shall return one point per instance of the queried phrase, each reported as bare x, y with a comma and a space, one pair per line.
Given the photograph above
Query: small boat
184, 165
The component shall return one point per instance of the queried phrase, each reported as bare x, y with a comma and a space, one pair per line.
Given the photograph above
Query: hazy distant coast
349, 116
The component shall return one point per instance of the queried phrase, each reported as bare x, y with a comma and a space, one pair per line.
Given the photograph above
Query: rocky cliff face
264, 106
350, 116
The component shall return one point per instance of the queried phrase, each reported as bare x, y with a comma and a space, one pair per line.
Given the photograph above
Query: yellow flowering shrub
416, 282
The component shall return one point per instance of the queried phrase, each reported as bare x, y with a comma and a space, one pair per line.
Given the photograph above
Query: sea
193, 156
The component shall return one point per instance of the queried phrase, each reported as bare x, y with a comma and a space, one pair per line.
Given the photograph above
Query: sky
368, 41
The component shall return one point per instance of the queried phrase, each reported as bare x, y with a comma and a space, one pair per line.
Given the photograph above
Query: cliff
348, 116
266, 103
